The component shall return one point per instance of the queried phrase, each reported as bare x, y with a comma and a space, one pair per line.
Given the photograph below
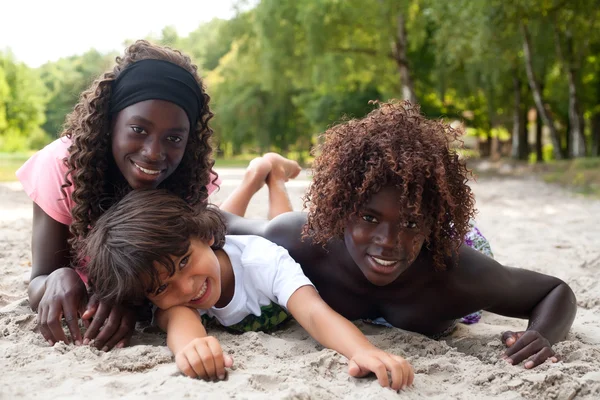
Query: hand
379, 362
64, 296
117, 323
529, 345
203, 358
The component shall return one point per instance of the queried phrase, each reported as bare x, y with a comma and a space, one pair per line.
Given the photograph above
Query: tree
23, 104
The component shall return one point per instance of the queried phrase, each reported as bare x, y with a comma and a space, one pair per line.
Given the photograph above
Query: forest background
522, 77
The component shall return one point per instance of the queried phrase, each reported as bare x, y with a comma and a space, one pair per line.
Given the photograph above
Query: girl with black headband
143, 124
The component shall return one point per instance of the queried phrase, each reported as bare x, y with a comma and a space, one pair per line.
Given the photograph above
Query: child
153, 244
388, 209
144, 124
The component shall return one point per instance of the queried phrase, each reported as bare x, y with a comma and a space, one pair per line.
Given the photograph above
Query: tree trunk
539, 154
596, 124
538, 95
520, 149
595, 135
399, 52
576, 135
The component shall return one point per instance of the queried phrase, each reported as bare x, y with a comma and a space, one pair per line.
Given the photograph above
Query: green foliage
65, 79
283, 71
22, 104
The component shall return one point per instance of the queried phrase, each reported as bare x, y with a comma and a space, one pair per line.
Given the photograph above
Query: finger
554, 359
396, 371
195, 361
354, 370
407, 371
217, 353
101, 314
125, 341
123, 333
411, 376
54, 321
228, 360
184, 366
71, 318
109, 329
43, 326
90, 309
378, 368
539, 358
527, 351
207, 358
509, 337
521, 343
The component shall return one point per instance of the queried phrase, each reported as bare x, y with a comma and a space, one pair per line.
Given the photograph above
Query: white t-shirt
264, 273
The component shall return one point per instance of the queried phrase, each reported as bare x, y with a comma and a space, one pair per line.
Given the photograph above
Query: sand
530, 224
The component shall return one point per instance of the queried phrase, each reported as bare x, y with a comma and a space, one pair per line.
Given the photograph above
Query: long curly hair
90, 156
393, 145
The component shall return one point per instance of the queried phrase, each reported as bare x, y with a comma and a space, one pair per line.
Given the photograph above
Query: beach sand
529, 224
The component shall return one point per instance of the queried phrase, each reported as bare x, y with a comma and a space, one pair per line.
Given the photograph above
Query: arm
50, 252
546, 301
196, 354
55, 289
337, 333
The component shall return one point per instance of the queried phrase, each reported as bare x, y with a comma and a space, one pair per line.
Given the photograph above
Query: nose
387, 235
185, 285
153, 150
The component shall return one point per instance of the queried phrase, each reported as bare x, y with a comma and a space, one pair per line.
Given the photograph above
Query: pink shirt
44, 173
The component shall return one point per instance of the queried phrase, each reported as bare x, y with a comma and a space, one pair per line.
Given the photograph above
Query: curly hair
90, 156
393, 145
144, 227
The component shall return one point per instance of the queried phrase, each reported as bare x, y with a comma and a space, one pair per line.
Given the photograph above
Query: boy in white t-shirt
154, 245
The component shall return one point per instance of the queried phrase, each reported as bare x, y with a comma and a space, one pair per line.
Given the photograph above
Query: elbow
569, 295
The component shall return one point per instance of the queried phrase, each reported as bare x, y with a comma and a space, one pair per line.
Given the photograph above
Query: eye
369, 218
161, 289
184, 262
174, 139
137, 129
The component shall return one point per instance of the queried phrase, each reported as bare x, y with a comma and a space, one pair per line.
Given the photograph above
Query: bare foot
282, 168
257, 172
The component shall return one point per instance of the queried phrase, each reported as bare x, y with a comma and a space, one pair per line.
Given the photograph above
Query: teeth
147, 171
202, 291
383, 262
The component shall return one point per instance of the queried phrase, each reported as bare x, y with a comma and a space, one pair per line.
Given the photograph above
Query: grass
582, 175
9, 163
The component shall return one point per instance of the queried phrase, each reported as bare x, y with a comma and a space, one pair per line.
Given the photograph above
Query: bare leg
254, 178
272, 169
282, 170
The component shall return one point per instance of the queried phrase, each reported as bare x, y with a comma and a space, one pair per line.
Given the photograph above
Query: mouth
147, 171
383, 266
202, 294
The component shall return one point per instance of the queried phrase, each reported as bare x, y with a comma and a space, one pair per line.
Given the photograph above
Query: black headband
157, 80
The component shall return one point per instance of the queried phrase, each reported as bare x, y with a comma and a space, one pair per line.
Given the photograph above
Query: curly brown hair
90, 156
393, 145
144, 227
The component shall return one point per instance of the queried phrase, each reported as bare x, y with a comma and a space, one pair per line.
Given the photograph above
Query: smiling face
148, 141
196, 282
382, 242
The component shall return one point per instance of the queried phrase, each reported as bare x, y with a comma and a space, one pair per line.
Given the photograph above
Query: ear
211, 241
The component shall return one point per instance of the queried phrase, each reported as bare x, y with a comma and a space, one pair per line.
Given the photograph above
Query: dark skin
148, 142
381, 269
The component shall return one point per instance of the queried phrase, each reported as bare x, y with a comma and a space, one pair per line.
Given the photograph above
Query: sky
38, 31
